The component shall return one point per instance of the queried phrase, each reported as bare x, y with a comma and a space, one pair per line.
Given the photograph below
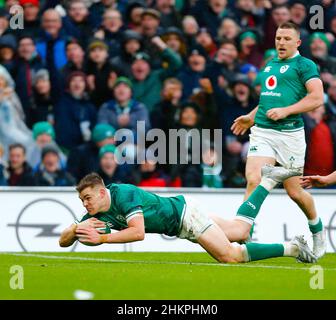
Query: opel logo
39, 225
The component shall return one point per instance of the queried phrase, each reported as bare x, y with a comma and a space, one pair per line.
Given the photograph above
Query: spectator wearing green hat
44, 134
109, 169
319, 45
85, 158
249, 48
123, 112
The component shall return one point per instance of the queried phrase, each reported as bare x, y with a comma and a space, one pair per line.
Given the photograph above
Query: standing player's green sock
315, 225
250, 208
258, 251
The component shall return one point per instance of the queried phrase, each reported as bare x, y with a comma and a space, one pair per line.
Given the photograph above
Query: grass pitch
130, 275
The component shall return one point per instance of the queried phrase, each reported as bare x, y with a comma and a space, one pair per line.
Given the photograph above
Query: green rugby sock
250, 208
317, 227
259, 251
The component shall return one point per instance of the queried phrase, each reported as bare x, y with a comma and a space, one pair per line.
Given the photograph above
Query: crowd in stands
81, 70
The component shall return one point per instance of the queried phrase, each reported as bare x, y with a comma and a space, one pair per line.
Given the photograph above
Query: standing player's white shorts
288, 148
194, 221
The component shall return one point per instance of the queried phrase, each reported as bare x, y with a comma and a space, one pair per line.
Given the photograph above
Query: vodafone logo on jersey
271, 82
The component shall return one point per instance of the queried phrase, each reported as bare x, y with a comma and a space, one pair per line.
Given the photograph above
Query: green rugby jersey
161, 214
283, 84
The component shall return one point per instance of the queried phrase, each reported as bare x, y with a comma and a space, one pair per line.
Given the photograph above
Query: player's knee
252, 180
245, 234
295, 195
228, 257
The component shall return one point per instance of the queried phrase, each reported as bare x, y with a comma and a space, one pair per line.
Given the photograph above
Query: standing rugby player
290, 86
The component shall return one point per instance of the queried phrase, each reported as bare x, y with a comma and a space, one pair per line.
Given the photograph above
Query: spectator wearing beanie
50, 174
130, 46
44, 134
32, 24
4, 22
75, 57
45, 98
84, 158
192, 72
8, 46
75, 115
100, 72
123, 112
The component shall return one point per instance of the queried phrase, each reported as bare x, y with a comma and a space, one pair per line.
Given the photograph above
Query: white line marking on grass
258, 266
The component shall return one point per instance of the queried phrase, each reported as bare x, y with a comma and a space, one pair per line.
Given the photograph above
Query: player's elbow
140, 235
318, 100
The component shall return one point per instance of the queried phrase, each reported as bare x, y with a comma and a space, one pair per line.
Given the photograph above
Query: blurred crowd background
81, 70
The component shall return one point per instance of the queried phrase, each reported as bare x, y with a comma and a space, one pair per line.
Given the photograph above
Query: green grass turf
163, 276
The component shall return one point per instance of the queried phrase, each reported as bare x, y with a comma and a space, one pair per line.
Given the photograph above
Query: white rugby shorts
288, 148
194, 221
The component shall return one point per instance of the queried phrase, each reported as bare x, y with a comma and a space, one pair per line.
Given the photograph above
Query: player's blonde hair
290, 25
90, 181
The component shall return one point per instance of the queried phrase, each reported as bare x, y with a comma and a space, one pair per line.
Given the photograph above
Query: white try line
258, 266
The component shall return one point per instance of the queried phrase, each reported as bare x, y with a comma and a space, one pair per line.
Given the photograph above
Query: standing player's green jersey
283, 84
161, 214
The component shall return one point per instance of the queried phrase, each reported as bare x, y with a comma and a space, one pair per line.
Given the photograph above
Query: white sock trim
268, 183
314, 221
245, 219
290, 250
245, 253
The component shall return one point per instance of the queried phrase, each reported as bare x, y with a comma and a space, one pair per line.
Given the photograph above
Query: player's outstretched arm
243, 123
318, 181
311, 101
68, 236
134, 232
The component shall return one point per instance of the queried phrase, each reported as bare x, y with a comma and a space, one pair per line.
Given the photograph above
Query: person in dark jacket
111, 31
8, 46
110, 170
123, 112
210, 13
19, 171
189, 172
131, 44
75, 116
26, 67
3, 180
32, 25
77, 23
84, 158
49, 173
45, 97
76, 59
100, 72
51, 44
192, 73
